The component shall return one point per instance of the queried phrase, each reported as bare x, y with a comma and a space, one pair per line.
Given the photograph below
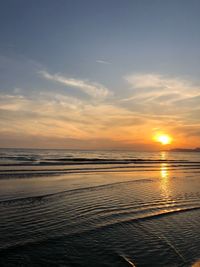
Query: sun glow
164, 139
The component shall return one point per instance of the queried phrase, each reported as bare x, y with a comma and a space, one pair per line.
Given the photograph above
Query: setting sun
164, 139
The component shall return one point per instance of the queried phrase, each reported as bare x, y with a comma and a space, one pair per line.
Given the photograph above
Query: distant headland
197, 149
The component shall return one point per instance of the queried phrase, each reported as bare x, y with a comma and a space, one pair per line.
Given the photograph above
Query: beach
99, 208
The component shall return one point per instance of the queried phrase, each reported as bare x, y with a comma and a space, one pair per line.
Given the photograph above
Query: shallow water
82, 208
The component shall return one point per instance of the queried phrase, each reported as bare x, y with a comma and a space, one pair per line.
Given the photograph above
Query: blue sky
88, 73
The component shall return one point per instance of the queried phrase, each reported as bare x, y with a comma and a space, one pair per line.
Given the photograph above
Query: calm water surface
83, 208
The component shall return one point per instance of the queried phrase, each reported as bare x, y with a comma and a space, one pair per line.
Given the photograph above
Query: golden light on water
164, 181
164, 173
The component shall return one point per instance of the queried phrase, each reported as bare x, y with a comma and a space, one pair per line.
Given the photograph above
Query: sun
164, 139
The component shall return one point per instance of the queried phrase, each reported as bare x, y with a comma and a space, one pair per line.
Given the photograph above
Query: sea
99, 208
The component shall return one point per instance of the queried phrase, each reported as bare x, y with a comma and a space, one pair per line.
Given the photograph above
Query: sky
107, 74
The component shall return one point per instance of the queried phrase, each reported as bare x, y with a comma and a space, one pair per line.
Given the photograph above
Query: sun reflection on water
164, 179
164, 172
163, 155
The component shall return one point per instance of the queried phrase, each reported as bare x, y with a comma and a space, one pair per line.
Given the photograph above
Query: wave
106, 226
61, 193
145, 217
28, 161
35, 172
166, 213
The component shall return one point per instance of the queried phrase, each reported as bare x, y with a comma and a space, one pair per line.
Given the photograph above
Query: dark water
82, 208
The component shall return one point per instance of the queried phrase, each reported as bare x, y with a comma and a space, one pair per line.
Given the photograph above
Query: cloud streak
90, 88
160, 84
61, 116
160, 93
170, 105
103, 62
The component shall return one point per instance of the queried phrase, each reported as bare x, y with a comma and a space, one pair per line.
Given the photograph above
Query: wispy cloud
152, 102
58, 115
91, 88
159, 87
103, 62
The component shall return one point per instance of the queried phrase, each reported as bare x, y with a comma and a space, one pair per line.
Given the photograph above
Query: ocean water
99, 208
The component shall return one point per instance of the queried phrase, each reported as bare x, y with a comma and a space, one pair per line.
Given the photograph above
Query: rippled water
83, 208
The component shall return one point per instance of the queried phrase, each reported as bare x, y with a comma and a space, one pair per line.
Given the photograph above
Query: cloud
166, 102
58, 115
162, 84
93, 89
159, 92
60, 118
171, 105
144, 80
103, 62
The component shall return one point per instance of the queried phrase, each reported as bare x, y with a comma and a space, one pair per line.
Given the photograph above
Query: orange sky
99, 75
